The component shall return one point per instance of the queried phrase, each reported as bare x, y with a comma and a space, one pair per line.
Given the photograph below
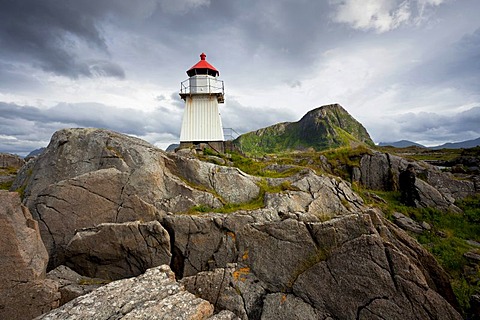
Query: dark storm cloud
54, 35
70, 38
259, 35
22, 127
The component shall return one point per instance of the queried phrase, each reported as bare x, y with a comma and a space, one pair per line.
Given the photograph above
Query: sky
405, 69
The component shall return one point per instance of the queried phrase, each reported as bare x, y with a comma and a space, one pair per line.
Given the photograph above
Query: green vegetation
6, 185
471, 209
8, 173
263, 167
343, 160
448, 243
256, 203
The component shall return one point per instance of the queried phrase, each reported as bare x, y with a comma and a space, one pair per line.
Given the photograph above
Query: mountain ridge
448, 145
325, 127
401, 144
459, 145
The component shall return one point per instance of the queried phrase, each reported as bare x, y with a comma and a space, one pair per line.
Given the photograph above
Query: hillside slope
329, 126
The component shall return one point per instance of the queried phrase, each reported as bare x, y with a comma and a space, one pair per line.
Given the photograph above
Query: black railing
230, 134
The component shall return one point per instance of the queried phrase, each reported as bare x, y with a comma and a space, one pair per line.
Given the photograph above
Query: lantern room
203, 80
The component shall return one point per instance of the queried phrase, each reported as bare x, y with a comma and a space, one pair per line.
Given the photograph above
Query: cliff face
326, 127
111, 206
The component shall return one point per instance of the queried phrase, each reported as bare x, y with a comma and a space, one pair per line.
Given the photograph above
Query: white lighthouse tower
202, 92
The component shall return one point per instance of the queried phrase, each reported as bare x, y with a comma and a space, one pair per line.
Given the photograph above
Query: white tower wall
201, 119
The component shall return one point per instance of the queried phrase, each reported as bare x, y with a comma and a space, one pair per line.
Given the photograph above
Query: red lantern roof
203, 67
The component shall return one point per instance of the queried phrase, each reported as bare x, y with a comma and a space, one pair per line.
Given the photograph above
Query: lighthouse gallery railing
206, 85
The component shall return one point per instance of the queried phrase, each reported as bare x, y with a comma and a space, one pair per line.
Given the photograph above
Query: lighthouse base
217, 146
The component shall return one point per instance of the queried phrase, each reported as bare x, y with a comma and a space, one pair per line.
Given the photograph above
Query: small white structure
202, 93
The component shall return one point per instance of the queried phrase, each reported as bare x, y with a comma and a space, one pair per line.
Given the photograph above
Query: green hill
326, 127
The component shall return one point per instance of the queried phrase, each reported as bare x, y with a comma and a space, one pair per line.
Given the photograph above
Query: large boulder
124, 249
231, 184
447, 184
288, 306
431, 197
153, 295
24, 291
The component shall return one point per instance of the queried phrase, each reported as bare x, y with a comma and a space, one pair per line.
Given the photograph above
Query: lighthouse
202, 92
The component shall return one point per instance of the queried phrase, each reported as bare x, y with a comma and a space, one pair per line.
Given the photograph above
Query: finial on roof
203, 56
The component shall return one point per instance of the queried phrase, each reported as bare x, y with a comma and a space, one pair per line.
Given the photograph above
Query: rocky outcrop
206, 242
9, 165
356, 266
13, 161
71, 284
447, 184
209, 241
90, 176
407, 223
153, 295
24, 291
380, 171
352, 267
231, 184
112, 206
323, 196
124, 249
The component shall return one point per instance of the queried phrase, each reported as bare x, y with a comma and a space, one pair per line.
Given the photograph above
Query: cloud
244, 119
380, 15
24, 128
431, 128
